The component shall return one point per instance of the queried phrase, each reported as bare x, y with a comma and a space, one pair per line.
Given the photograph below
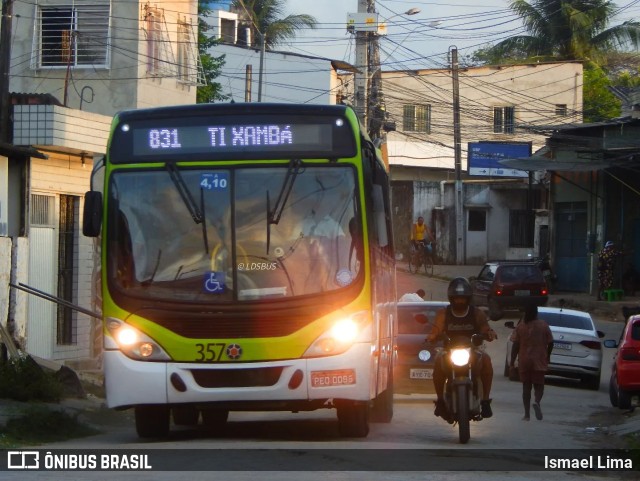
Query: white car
577, 349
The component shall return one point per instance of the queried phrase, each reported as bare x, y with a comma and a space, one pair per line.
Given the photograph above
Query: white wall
289, 78
65, 174
533, 89
5, 277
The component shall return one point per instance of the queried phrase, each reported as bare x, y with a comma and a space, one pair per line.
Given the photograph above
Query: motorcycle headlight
460, 357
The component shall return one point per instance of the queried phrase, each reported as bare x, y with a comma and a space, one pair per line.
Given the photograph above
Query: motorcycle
463, 386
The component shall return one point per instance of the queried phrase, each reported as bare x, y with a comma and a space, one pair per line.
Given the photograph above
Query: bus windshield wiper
273, 216
195, 211
183, 190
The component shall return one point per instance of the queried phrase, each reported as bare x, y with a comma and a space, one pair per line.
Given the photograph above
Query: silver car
414, 374
577, 349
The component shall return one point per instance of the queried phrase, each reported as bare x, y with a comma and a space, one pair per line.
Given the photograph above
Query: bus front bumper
346, 376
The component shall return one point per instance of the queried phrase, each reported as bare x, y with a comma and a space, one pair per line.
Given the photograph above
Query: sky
418, 41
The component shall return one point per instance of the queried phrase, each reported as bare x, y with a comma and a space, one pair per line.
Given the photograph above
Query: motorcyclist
461, 320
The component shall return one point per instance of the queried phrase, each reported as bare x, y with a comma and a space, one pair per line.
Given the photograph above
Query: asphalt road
574, 419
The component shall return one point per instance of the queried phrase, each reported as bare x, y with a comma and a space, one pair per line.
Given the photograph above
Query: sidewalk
572, 300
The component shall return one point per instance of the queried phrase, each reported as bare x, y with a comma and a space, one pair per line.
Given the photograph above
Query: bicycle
419, 258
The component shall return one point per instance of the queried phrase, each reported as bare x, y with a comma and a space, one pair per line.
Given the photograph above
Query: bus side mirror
92, 215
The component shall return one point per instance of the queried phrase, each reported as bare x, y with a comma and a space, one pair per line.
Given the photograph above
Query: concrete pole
361, 78
458, 159
263, 42
247, 83
5, 61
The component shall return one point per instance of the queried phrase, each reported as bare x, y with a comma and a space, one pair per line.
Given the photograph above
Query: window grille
417, 118
76, 34
161, 61
42, 210
189, 65
504, 120
561, 110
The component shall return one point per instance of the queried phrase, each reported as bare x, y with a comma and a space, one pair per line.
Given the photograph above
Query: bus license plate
520, 292
421, 374
562, 345
340, 377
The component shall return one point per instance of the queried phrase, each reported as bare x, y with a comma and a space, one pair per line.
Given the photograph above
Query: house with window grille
285, 77
73, 65
505, 212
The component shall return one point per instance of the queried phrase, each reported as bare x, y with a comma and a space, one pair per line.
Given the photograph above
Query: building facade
75, 63
504, 212
286, 77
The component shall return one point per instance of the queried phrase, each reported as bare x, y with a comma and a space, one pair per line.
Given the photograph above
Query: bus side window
379, 217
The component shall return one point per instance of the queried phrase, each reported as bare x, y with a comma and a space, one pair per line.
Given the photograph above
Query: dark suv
508, 285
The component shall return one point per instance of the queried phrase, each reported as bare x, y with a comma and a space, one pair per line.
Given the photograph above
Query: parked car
577, 349
624, 383
508, 285
415, 320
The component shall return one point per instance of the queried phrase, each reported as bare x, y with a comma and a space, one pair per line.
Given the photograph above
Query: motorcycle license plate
421, 373
546, 273
562, 345
521, 292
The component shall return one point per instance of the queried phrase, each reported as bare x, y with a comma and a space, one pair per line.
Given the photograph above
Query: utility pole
247, 83
361, 77
457, 149
375, 104
263, 42
5, 60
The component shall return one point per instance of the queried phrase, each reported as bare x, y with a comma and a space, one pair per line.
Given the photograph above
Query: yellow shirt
419, 232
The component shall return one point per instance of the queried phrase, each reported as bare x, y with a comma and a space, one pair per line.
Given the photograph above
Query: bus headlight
345, 331
132, 342
339, 337
126, 336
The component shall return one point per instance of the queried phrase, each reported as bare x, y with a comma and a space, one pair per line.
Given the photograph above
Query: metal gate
571, 259
42, 275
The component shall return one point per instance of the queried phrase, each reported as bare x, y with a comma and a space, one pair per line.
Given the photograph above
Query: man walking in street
532, 344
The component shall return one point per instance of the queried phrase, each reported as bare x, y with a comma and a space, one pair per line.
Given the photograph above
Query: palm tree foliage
566, 30
211, 65
267, 17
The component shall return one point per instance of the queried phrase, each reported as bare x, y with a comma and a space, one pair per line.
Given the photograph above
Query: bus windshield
209, 235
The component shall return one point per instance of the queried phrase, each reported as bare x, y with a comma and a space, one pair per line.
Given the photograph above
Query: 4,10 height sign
484, 158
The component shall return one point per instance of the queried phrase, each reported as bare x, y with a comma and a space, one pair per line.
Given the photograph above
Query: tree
567, 30
267, 17
599, 102
210, 64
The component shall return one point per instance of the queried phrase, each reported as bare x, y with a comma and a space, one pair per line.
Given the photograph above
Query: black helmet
459, 287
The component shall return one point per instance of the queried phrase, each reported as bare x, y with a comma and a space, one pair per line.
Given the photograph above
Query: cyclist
421, 236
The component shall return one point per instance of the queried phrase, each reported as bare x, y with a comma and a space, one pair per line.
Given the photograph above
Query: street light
382, 27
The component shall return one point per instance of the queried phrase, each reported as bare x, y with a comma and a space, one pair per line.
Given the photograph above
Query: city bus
247, 264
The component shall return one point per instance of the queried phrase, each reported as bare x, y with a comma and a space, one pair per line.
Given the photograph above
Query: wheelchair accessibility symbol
214, 282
